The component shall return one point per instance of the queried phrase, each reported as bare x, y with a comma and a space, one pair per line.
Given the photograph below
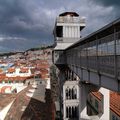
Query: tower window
59, 31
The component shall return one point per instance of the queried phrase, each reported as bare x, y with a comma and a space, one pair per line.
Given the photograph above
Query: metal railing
105, 56
66, 39
70, 20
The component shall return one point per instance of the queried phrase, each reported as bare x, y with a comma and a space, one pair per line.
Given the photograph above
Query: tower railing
70, 20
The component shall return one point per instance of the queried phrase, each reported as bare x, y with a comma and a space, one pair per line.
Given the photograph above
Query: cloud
29, 23
108, 2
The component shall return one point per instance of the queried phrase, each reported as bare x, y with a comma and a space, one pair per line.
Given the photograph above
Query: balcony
66, 39
71, 20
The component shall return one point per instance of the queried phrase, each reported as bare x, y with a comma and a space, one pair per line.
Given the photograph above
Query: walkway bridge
95, 58
86, 65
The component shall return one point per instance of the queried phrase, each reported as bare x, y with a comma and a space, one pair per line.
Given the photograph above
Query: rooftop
69, 13
115, 102
98, 95
5, 99
25, 107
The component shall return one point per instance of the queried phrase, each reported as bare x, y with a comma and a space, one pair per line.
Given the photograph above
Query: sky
26, 24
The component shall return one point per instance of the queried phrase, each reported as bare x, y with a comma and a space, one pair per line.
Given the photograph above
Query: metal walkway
95, 58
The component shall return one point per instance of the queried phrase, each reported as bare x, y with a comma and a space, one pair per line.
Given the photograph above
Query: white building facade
71, 100
26, 72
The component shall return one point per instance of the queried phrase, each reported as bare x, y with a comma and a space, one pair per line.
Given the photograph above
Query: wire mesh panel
118, 66
92, 55
106, 52
84, 56
118, 52
100, 52
92, 62
106, 64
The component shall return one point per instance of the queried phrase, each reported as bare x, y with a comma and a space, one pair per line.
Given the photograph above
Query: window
67, 93
72, 112
74, 93
67, 112
90, 99
9, 81
114, 117
69, 96
59, 31
96, 104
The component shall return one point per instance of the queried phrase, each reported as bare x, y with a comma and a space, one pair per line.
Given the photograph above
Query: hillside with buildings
20, 66
26, 74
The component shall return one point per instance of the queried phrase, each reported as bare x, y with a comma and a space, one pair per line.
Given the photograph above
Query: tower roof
69, 13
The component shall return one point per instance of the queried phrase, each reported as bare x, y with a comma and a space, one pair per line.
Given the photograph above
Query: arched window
70, 94
74, 93
67, 112
72, 112
72, 75
67, 92
76, 112
66, 75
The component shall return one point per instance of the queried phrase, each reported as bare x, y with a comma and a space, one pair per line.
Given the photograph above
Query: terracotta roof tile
115, 102
98, 95
10, 70
24, 70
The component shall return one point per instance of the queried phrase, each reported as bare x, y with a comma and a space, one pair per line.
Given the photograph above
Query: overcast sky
29, 23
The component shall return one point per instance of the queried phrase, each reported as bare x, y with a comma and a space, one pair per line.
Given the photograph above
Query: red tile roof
2, 76
10, 70
24, 70
98, 95
1, 70
115, 102
18, 78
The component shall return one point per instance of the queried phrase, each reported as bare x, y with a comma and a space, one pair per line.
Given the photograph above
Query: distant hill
7, 53
31, 49
40, 48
